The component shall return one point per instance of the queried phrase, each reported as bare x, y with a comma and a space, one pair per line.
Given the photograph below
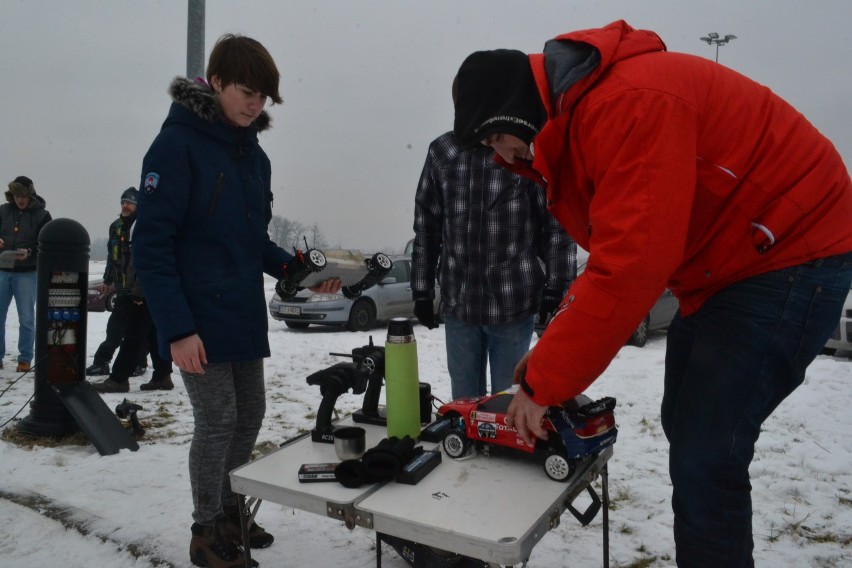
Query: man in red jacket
673, 171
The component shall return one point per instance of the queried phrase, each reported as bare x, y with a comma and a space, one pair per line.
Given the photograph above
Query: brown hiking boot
258, 538
212, 547
23, 367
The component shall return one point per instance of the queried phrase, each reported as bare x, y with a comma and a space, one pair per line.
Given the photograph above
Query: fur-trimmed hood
197, 97
36, 201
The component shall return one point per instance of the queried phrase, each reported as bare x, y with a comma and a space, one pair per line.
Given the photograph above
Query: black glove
549, 302
351, 473
425, 313
389, 456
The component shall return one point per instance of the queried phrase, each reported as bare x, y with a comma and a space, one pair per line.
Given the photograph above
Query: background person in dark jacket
21, 219
139, 333
115, 278
200, 249
501, 256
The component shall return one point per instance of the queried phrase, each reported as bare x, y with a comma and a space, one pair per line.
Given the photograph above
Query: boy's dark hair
240, 59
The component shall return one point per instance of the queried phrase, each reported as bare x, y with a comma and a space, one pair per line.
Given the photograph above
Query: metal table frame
456, 507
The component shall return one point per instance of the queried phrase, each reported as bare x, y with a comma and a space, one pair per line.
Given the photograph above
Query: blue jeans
728, 366
22, 287
471, 347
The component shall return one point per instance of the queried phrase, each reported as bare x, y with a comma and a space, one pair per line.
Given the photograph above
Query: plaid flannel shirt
486, 233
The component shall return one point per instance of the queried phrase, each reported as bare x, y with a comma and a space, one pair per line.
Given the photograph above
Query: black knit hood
197, 97
495, 92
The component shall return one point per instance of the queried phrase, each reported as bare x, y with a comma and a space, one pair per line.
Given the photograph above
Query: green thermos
402, 385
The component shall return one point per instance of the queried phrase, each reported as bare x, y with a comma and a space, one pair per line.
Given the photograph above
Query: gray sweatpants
228, 403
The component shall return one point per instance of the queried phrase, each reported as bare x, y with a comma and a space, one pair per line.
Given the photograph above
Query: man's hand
330, 286
425, 313
526, 416
189, 355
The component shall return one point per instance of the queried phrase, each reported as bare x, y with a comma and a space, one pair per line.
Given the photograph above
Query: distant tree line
285, 233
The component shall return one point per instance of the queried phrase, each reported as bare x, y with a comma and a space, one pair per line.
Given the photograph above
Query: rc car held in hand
576, 429
378, 266
300, 267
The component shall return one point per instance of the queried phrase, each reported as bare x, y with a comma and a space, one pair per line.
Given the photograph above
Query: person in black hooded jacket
21, 220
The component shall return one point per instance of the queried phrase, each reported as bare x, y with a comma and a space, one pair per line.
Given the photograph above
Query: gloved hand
549, 302
425, 313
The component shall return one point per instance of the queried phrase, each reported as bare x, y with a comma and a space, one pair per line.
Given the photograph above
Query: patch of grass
799, 530
621, 495
624, 529
23, 440
264, 448
641, 562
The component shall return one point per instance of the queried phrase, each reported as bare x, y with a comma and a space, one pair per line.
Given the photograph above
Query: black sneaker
158, 384
110, 385
97, 369
258, 537
211, 547
139, 371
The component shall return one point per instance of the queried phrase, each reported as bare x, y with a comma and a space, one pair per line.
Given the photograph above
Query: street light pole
713, 38
195, 39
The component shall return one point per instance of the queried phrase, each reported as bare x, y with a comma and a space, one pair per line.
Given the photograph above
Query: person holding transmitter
674, 171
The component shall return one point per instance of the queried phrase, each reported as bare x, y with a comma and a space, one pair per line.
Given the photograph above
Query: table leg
241, 507
605, 491
378, 550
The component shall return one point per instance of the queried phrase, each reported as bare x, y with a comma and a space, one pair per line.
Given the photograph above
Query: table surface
491, 507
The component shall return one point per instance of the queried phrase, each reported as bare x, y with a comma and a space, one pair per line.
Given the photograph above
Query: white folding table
490, 507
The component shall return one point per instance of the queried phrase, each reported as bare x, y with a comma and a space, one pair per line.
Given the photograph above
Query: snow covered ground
69, 506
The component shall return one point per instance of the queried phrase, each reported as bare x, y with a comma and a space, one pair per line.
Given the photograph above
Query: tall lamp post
713, 38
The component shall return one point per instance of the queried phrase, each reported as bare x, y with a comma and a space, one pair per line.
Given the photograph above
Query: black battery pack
317, 472
419, 467
435, 431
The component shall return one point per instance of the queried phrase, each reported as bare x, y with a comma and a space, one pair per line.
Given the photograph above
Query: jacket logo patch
151, 181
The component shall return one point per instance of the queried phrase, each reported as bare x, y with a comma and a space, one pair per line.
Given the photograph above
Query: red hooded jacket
672, 171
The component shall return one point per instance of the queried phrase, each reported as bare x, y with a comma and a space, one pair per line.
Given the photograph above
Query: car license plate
290, 310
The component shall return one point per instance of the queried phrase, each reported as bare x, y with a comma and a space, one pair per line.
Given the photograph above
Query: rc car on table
578, 428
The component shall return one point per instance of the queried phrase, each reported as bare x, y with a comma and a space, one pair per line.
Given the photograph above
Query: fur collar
199, 98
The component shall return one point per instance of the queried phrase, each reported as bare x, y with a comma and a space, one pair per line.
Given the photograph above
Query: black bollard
60, 345
64, 403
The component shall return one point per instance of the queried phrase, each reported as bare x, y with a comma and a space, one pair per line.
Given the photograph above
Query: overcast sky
366, 86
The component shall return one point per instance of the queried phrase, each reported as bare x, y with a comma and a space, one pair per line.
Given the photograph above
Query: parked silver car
388, 299
659, 318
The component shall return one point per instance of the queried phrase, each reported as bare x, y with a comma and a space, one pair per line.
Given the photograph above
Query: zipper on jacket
217, 192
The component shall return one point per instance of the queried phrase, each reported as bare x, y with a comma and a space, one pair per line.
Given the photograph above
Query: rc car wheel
640, 336
382, 260
362, 316
317, 259
557, 467
456, 444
